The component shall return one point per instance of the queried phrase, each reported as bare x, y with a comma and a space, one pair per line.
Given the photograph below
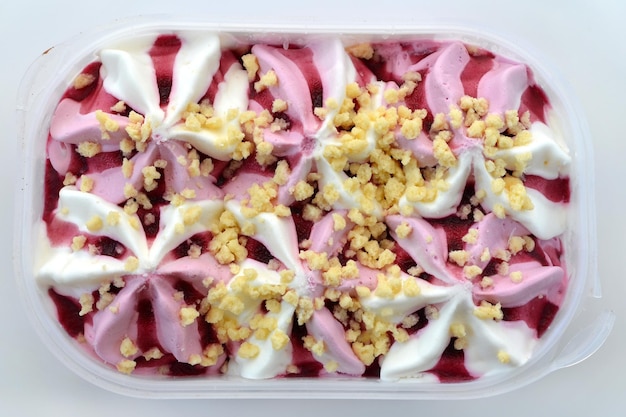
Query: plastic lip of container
572, 337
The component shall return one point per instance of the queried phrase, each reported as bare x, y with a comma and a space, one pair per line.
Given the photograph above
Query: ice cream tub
212, 210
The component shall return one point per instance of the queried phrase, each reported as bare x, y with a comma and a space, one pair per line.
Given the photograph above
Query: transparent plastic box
578, 330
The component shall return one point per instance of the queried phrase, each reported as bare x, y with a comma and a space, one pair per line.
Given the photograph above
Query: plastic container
578, 330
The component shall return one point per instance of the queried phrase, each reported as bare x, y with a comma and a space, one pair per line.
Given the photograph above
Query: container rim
36, 84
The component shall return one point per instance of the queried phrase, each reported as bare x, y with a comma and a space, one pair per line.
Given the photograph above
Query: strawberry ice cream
385, 210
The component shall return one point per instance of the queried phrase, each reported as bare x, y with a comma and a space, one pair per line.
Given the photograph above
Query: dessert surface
387, 210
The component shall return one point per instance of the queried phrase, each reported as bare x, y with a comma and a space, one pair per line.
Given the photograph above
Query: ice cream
390, 210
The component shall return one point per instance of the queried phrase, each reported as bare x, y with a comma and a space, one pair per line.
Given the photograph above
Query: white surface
581, 37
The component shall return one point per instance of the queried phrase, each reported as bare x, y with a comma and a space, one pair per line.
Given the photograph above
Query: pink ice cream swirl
452, 72
151, 85
147, 291
500, 265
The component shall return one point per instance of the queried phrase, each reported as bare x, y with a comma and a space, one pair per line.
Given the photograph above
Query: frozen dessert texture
388, 209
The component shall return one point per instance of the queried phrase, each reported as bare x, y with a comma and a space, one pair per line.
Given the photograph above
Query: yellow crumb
503, 268
471, 237
499, 211
119, 107
70, 179
269, 79
410, 288
476, 129
279, 105
459, 257
248, 350
128, 348
83, 80
131, 207
412, 76
456, 117
194, 251
488, 311
516, 276
458, 330
432, 313
286, 276
251, 64
94, 224
129, 190
150, 177
411, 129
188, 315
486, 282
517, 195
443, 153
361, 50
106, 124
153, 353
331, 366
127, 168
78, 242
515, 244
311, 213
86, 303
317, 347
439, 123
365, 352
302, 190
131, 264
472, 271
529, 243
86, 183
144, 201
134, 223
191, 215
339, 222
404, 230
279, 339
127, 146
494, 120
126, 366
89, 149
211, 354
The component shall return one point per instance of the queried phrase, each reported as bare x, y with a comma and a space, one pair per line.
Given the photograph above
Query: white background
584, 39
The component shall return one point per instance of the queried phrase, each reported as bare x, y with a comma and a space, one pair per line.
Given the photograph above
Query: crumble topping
131, 264
128, 348
504, 357
83, 80
460, 257
86, 303
516, 276
153, 353
488, 311
361, 50
89, 149
126, 366
248, 350
107, 125
251, 64
472, 271
70, 179
119, 107
269, 79
94, 224
188, 315
78, 242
